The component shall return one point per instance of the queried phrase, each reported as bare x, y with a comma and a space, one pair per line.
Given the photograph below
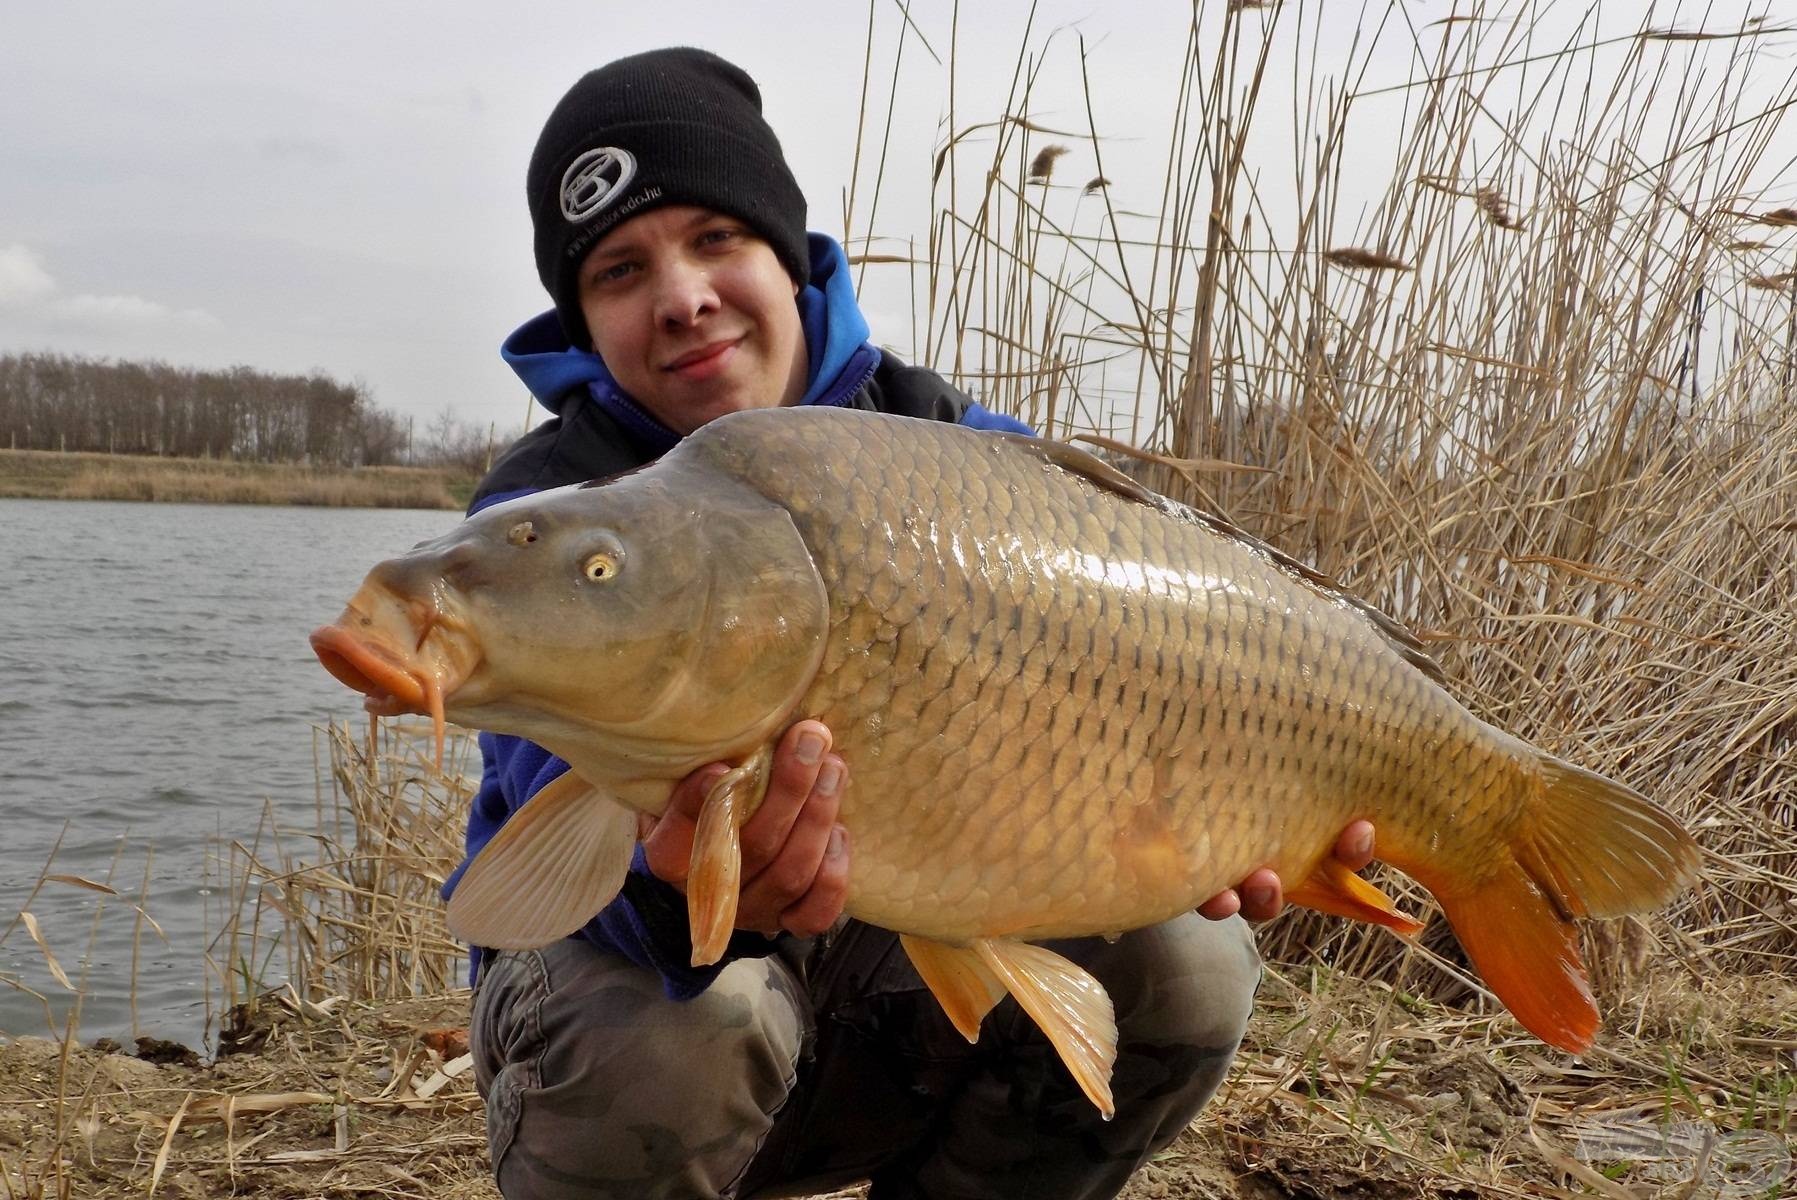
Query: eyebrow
620, 250
627, 248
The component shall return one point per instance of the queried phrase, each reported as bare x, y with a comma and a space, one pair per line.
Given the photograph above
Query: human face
694, 316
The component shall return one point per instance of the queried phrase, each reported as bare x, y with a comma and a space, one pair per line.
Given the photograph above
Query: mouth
379, 647
706, 360
392, 685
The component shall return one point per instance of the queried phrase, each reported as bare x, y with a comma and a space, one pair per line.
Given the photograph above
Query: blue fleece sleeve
979, 417
646, 924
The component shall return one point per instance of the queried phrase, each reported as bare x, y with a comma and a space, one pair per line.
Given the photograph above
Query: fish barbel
1071, 707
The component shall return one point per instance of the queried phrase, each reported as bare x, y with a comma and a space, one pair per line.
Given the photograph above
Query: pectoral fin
1332, 888
551, 867
959, 979
1070, 1006
714, 880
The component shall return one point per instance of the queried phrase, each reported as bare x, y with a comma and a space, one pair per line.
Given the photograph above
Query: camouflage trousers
809, 1070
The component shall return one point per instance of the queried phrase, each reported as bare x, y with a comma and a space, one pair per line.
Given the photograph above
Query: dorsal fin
1102, 475
1088, 466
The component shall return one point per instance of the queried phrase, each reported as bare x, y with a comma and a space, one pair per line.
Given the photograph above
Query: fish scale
1094, 583
1069, 707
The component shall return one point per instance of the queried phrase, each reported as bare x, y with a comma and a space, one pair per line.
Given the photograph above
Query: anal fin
551, 867
714, 880
1334, 889
1069, 1005
959, 979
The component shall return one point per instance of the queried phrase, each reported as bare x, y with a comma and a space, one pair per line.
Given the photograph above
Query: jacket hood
558, 373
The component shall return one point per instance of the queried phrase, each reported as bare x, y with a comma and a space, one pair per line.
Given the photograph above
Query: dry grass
46, 474
1562, 444
352, 908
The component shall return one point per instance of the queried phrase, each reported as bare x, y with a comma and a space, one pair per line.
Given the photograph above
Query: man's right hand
795, 866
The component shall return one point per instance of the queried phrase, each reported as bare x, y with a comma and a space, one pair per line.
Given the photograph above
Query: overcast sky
339, 186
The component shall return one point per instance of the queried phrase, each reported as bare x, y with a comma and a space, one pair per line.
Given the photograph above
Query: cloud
24, 282
22, 276
127, 310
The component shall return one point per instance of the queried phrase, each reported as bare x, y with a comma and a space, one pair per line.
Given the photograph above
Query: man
670, 234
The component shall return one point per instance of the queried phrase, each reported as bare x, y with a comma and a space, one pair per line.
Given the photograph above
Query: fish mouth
400, 654
392, 685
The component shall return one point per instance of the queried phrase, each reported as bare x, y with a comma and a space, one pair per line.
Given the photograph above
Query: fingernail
810, 748
1363, 845
829, 778
838, 844
1258, 896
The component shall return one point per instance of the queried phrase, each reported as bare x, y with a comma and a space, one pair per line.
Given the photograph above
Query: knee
1183, 993
1187, 982
599, 1085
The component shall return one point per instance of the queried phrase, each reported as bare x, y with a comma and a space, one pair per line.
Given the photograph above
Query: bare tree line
53, 402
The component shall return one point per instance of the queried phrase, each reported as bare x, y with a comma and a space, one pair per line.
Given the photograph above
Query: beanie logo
594, 180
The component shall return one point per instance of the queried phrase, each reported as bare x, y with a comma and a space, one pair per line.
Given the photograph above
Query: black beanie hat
678, 126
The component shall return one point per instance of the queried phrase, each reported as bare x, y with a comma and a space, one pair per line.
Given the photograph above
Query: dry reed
1562, 449
358, 912
1363, 259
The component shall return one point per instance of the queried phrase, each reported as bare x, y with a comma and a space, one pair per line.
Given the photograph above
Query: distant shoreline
53, 475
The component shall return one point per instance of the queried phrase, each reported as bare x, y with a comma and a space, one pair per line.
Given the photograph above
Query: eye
609, 275
600, 567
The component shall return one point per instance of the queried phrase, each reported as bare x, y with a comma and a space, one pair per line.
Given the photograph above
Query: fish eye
600, 567
521, 534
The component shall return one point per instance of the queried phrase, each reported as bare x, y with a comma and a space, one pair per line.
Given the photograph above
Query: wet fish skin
1131, 708
1071, 707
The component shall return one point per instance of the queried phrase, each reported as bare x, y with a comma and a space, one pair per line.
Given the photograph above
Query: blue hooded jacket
647, 923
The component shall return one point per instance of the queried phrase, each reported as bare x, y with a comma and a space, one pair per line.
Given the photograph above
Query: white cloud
128, 310
22, 276
23, 281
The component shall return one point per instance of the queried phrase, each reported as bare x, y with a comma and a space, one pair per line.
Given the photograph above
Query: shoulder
584, 443
909, 391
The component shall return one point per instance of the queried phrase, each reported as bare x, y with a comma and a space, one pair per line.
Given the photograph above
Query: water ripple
128, 728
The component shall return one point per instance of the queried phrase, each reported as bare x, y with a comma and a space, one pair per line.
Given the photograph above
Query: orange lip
373, 669
369, 668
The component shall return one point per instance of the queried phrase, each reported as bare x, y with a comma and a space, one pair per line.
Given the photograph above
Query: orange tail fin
1585, 846
1529, 954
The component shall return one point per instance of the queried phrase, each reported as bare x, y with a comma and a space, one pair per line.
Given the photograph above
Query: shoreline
84, 475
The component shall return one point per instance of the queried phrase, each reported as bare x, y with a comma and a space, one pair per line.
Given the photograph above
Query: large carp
1070, 707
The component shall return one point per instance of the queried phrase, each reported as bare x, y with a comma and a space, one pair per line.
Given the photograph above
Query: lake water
156, 688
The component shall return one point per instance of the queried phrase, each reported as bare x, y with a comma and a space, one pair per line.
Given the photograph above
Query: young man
671, 236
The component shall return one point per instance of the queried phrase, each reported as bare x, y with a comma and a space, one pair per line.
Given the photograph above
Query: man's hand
795, 856
1260, 896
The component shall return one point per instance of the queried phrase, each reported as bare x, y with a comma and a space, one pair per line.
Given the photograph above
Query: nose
684, 294
412, 577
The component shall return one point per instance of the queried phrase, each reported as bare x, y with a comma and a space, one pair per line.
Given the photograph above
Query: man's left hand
1261, 896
